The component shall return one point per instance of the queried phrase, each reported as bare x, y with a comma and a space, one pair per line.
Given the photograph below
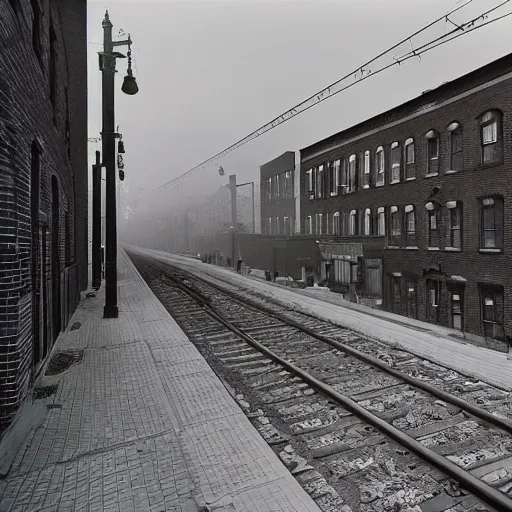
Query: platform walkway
420, 338
140, 423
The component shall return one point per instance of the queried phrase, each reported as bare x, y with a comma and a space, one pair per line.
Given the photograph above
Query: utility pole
108, 135
232, 188
96, 223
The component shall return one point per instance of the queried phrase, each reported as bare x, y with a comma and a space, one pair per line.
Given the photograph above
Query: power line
359, 74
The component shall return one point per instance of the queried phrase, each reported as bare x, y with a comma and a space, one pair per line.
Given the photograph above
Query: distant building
43, 183
277, 198
414, 206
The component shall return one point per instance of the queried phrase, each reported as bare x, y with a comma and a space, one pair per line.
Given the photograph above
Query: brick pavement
420, 338
142, 423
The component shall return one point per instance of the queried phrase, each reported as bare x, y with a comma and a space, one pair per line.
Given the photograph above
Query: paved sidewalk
141, 423
420, 338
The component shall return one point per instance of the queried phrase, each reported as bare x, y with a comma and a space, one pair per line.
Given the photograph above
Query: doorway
55, 261
433, 299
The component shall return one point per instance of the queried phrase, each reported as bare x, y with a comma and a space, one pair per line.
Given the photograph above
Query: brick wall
473, 181
38, 124
278, 207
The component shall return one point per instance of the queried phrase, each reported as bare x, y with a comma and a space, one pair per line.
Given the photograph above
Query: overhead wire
463, 28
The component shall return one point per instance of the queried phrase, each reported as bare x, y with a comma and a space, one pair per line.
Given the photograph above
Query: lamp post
107, 62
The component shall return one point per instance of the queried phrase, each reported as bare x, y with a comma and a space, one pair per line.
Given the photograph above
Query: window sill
452, 171
431, 174
392, 247
334, 194
432, 248
394, 182
366, 186
412, 248
412, 178
379, 184
490, 251
453, 249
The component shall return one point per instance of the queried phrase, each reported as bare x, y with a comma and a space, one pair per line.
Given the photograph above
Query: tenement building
414, 206
43, 183
277, 198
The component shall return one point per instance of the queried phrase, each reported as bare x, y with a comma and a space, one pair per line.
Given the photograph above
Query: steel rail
476, 411
488, 494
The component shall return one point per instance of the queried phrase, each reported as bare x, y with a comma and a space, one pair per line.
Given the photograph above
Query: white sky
211, 72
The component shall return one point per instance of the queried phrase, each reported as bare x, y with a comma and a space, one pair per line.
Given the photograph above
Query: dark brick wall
37, 91
466, 186
279, 206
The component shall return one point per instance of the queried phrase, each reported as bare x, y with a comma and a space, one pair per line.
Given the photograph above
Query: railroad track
362, 426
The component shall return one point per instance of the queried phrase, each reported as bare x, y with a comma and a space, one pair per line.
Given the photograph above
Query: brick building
43, 183
414, 206
277, 197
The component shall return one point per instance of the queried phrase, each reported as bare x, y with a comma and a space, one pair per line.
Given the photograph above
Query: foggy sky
211, 72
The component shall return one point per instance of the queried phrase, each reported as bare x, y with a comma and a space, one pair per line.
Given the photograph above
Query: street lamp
107, 63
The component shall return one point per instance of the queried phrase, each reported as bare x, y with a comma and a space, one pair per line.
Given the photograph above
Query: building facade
277, 197
413, 206
43, 183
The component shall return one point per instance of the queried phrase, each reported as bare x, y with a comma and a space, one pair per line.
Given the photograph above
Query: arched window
491, 136
336, 228
367, 221
366, 169
410, 165
433, 225
381, 221
456, 158
395, 162
410, 226
433, 152
379, 167
352, 222
352, 173
395, 223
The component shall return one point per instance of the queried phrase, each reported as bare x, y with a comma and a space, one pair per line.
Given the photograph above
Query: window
344, 175
433, 152
454, 225
366, 170
396, 232
319, 219
36, 30
336, 228
310, 183
309, 225
53, 69
433, 225
490, 132
269, 223
276, 185
319, 182
410, 226
395, 162
433, 296
336, 176
367, 221
492, 311
492, 223
67, 235
381, 221
379, 167
457, 158
344, 224
352, 229
410, 166
352, 176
